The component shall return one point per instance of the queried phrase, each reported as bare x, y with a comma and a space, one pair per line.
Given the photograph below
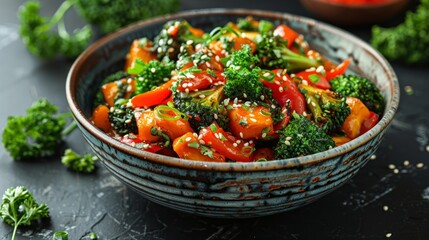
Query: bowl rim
233, 166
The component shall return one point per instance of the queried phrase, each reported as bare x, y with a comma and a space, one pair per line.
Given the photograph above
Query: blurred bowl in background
350, 13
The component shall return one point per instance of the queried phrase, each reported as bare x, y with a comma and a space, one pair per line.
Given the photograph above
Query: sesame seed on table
387, 198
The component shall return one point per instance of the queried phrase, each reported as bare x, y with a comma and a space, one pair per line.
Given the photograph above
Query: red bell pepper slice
150, 147
339, 70
284, 90
286, 33
153, 97
314, 78
227, 144
200, 81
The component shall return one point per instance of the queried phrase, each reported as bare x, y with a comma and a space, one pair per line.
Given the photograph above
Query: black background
81, 203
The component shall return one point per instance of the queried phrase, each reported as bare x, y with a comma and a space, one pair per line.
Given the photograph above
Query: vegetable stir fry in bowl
232, 113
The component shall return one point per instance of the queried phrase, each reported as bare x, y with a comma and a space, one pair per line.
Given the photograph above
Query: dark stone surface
81, 203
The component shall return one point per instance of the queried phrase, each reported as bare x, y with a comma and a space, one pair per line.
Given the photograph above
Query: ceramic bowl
355, 14
230, 190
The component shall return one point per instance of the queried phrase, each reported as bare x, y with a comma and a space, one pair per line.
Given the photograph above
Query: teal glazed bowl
230, 190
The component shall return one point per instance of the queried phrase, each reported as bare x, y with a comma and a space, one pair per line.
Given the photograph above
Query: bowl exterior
230, 190
232, 194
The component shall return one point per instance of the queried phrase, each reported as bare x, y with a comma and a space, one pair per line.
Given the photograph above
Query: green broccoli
329, 109
301, 137
362, 88
110, 15
42, 40
250, 24
167, 43
203, 107
38, 133
78, 163
242, 76
19, 207
274, 53
151, 75
122, 118
409, 41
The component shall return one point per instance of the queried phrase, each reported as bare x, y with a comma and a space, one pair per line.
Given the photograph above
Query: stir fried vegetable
244, 92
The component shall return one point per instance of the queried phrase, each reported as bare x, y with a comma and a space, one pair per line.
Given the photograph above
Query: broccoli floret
42, 40
78, 163
38, 133
242, 76
301, 137
36, 32
167, 43
122, 118
329, 109
203, 107
409, 41
362, 88
274, 53
99, 97
151, 75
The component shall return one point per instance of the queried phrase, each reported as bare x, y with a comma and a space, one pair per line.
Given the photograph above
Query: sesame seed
277, 82
235, 144
373, 157
246, 144
280, 89
217, 58
395, 171
313, 104
202, 96
427, 148
238, 141
190, 84
195, 134
241, 134
215, 116
153, 70
419, 165
267, 74
320, 68
187, 90
170, 41
189, 42
253, 120
385, 208
264, 135
244, 95
304, 82
406, 163
237, 67
128, 121
208, 64
288, 138
284, 78
287, 142
202, 141
251, 114
262, 97
273, 106
161, 42
171, 49
184, 85
247, 103
159, 49
217, 135
388, 235
188, 139
251, 142
112, 109
391, 166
